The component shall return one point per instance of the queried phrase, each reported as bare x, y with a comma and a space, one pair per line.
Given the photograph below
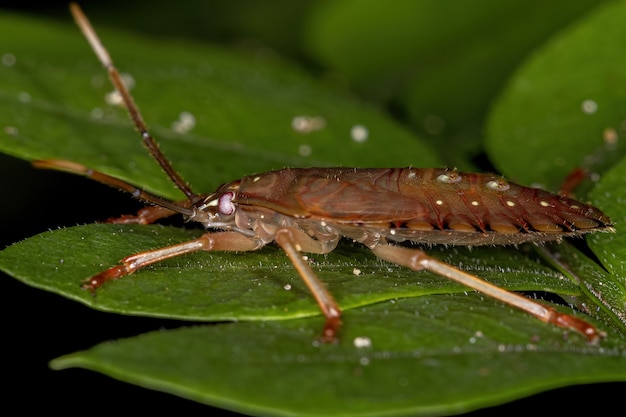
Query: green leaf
260, 285
428, 346
549, 123
604, 293
441, 62
402, 365
244, 108
610, 287
563, 109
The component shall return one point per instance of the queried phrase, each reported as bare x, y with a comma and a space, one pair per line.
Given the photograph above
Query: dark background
39, 326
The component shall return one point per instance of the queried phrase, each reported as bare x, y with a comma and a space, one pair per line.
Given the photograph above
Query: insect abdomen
487, 203
425, 204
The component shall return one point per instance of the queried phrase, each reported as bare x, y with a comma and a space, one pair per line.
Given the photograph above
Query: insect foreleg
417, 260
293, 242
220, 241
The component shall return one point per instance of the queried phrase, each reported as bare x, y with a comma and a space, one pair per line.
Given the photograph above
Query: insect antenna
114, 75
78, 169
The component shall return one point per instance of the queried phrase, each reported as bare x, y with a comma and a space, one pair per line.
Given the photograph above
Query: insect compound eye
225, 203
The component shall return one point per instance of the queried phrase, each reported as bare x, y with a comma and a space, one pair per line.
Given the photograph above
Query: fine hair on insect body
308, 210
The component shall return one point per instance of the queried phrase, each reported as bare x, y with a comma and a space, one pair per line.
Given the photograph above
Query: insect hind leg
418, 260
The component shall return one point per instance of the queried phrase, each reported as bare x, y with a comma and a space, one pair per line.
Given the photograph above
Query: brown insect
310, 209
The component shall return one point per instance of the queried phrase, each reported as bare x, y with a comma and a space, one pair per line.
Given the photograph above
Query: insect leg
219, 241
573, 180
417, 260
293, 242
